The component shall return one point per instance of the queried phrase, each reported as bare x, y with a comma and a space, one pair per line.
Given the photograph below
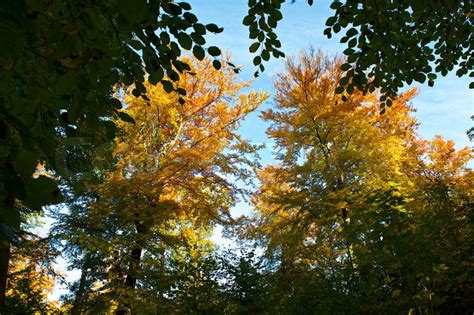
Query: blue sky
443, 109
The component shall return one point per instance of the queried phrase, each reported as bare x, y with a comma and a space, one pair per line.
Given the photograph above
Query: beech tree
170, 178
355, 203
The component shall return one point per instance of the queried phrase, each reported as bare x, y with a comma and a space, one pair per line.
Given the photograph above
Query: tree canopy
67, 64
357, 214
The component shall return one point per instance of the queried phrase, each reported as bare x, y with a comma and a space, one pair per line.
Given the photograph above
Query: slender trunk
4, 259
5, 202
133, 266
78, 300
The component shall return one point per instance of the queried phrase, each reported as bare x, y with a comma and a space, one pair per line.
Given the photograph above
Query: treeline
358, 215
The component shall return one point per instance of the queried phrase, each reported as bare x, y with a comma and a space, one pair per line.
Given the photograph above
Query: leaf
257, 60
185, 6
248, 19
216, 64
330, 21
345, 66
126, 117
156, 76
344, 81
181, 91
199, 52
351, 32
167, 86
348, 51
190, 17
214, 28
199, 28
254, 47
185, 41
214, 51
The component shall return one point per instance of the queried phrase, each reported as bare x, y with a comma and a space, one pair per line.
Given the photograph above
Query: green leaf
331, 21
348, 51
350, 89
181, 91
254, 47
420, 77
327, 32
432, 76
335, 5
351, 32
185, 41
276, 15
344, 81
198, 38
248, 19
136, 92
214, 51
110, 129
126, 117
12, 35
165, 38
345, 66
116, 103
257, 60
199, 52
214, 28
156, 76
216, 64
167, 86
185, 6
199, 28
191, 18
339, 90
67, 83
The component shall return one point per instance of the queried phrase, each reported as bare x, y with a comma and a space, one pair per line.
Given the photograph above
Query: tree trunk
78, 300
4, 259
5, 202
134, 265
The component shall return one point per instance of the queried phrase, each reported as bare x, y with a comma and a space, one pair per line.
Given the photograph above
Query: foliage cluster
359, 215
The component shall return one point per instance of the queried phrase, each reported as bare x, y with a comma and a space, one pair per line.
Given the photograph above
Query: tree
31, 274
245, 278
355, 203
170, 177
